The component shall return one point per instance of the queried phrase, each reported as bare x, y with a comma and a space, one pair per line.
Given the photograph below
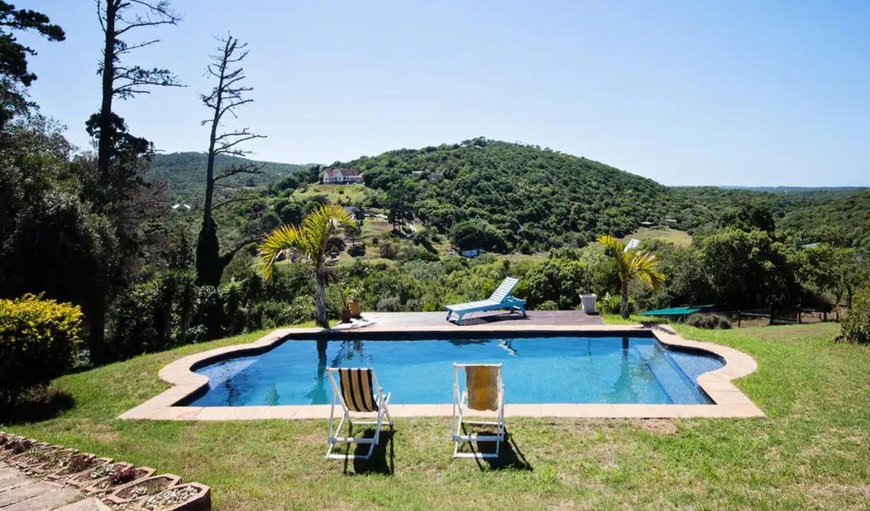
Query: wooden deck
19, 492
480, 320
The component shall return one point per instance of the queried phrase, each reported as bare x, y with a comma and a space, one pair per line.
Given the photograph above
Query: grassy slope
337, 194
677, 237
810, 452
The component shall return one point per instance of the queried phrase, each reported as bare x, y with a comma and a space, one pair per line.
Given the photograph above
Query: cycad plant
631, 264
311, 241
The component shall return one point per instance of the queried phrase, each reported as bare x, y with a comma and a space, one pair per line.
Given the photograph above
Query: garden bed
119, 485
112, 477
142, 488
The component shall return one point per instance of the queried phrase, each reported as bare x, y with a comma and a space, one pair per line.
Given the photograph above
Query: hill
837, 215
520, 198
532, 198
185, 173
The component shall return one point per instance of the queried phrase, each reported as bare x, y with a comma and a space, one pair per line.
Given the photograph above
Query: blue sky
686, 93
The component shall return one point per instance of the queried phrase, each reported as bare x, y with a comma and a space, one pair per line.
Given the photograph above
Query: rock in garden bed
120, 474
141, 489
184, 497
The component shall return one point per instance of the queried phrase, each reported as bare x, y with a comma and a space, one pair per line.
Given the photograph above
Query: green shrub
388, 250
609, 304
709, 321
558, 280
856, 326
357, 250
38, 342
548, 305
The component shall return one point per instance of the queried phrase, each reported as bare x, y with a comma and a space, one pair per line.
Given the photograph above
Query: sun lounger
501, 298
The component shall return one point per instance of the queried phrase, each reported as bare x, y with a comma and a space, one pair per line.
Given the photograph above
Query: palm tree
631, 264
311, 240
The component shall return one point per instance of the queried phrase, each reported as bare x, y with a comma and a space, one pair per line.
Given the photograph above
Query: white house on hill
341, 176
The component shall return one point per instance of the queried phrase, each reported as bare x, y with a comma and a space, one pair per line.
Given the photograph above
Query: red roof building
341, 176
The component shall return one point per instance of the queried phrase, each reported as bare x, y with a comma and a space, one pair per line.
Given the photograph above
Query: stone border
728, 400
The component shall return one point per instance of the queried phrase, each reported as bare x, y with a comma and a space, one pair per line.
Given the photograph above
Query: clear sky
686, 93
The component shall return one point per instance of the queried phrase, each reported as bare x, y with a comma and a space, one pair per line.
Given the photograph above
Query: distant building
341, 176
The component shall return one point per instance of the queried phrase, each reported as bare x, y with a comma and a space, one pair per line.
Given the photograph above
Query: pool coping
728, 400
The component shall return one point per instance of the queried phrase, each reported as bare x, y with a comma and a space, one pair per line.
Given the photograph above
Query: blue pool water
536, 370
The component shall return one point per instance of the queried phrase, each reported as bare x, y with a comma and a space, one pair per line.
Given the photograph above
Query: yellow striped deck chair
358, 394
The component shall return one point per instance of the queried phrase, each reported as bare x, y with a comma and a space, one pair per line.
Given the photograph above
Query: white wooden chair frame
460, 405
334, 436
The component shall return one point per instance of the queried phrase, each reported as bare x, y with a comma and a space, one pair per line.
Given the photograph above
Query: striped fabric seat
356, 389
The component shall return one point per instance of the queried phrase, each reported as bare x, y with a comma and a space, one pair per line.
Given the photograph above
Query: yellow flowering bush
38, 341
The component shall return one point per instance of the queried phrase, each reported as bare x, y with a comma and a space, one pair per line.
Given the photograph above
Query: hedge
38, 342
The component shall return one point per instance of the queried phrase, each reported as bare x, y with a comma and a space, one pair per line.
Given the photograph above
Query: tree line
89, 228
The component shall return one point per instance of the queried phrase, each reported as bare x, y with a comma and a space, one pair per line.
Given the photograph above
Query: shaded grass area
811, 450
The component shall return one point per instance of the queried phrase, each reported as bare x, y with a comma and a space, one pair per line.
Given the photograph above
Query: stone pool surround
728, 400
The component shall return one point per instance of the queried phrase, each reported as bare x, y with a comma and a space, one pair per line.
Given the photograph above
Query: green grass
677, 237
338, 194
810, 452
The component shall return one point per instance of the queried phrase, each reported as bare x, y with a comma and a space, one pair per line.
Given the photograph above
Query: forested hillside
532, 198
519, 198
839, 216
184, 172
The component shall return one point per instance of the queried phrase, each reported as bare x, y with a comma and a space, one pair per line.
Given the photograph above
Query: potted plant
353, 304
119, 475
98, 472
76, 464
345, 315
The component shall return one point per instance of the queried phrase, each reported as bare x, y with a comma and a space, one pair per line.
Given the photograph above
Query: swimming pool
537, 369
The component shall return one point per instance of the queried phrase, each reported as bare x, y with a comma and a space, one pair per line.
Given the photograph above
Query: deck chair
500, 299
484, 392
357, 392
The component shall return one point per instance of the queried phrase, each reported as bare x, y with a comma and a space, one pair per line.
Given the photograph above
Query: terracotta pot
85, 478
154, 485
10, 444
355, 309
104, 484
52, 462
69, 471
200, 501
21, 451
39, 454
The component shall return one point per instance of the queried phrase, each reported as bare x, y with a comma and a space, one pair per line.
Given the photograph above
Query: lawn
337, 194
677, 237
810, 452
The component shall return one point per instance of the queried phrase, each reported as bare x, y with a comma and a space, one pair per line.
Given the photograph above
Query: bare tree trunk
96, 313
208, 270
226, 96
625, 310
320, 316
104, 147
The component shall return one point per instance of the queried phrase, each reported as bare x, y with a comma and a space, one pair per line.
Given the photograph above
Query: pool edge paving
728, 400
